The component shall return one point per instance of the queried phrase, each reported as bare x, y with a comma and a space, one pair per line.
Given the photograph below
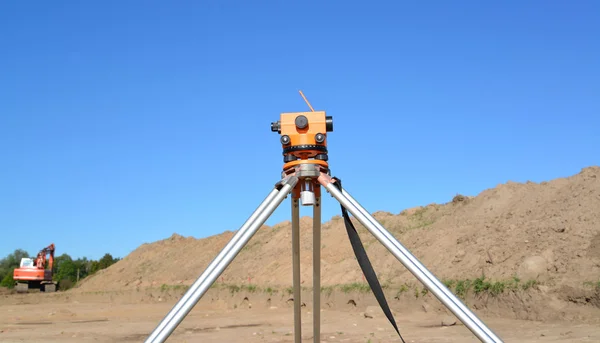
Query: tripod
305, 172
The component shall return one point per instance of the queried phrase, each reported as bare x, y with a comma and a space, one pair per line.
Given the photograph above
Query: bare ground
248, 317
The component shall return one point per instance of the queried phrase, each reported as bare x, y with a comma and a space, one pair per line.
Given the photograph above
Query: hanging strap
365, 264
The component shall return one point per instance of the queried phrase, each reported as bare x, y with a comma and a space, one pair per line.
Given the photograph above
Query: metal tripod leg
296, 271
297, 285
220, 263
317, 270
411, 263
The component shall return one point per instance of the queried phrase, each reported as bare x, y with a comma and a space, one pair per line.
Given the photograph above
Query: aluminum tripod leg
423, 269
317, 270
220, 263
297, 286
411, 263
296, 271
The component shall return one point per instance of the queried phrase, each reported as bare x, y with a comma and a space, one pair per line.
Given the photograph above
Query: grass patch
270, 290
164, 287
418, 214
355, 287
482, 285
527, 285
593, 284
422, 224
402, 289
233, 288
460, 287
448, 283
419, 220
328, 290
250, 288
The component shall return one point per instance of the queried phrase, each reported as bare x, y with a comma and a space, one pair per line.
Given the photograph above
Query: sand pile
549, 232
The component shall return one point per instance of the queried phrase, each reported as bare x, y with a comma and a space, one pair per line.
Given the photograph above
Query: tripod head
303, 136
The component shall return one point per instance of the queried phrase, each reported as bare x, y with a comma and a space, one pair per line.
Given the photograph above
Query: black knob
285, 139
301, 122
319, 138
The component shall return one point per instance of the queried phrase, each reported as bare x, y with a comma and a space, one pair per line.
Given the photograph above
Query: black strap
365, 264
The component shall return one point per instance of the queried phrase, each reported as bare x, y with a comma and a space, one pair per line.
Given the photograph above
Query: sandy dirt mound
548, 232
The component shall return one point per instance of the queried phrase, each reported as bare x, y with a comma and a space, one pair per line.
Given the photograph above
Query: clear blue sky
122, 122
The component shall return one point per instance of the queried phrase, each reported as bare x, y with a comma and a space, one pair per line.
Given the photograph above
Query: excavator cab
27, 262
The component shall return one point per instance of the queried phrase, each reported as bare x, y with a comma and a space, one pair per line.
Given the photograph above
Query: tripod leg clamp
289, 180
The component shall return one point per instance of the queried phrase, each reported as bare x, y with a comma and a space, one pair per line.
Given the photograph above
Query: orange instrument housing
304, 137
316, 123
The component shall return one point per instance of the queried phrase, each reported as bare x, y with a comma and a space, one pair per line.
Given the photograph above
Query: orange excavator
36, 273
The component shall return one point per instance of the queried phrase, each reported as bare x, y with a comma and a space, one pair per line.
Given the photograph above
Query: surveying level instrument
303, 136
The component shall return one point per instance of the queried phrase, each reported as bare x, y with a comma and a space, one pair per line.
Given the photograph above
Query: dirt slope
548, 231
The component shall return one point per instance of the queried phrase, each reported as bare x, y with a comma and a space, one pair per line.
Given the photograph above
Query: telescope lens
329, 123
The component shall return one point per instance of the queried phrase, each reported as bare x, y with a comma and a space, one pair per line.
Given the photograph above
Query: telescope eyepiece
276, 126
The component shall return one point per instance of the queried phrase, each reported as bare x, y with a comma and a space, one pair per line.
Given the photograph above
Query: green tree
83, 267
8, 281
8, 265
106, 261
64, 268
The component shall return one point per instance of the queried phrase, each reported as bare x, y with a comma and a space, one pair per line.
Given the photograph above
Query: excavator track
49, 287
22, 287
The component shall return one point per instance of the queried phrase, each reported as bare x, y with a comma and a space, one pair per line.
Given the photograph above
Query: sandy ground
113, 322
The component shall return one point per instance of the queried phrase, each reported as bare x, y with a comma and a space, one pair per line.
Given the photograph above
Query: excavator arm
49, 250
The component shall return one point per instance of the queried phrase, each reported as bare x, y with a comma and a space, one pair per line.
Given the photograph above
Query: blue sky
124, 122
